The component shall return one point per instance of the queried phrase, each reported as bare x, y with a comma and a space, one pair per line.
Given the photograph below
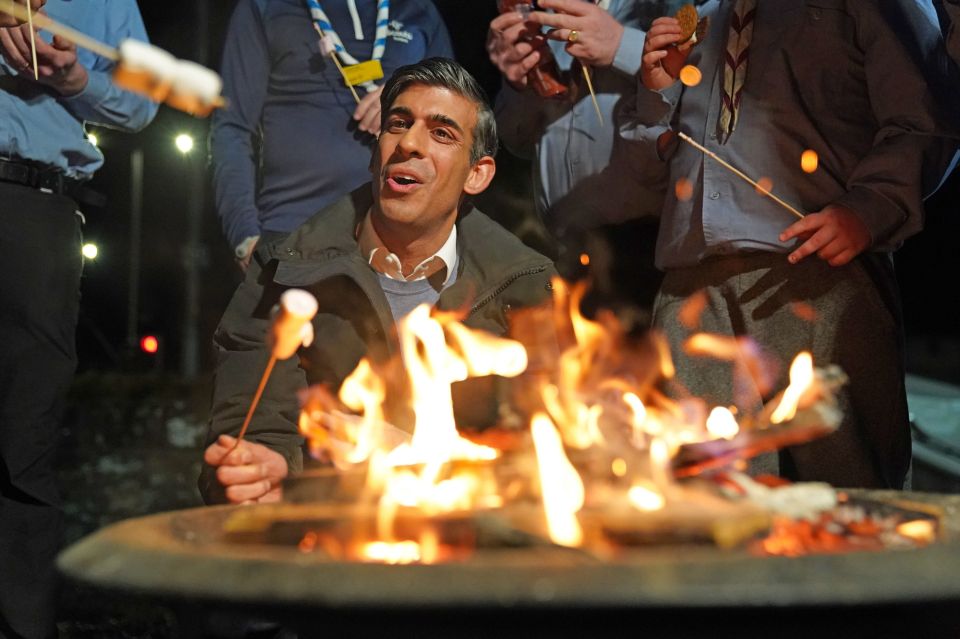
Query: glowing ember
560, 485
398, 552
809, 161
584, 259
645, 496
683, 189
801, 377
764, 186
690, 75
920, 530
722, 424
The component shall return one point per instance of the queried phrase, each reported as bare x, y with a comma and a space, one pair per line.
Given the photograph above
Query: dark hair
443, 72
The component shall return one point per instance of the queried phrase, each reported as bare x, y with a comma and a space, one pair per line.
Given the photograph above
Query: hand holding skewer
56, 63
836, 234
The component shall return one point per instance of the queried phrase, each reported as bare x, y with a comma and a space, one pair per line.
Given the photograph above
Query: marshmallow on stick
291, 328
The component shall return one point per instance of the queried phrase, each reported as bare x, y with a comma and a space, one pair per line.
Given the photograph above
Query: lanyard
326, 28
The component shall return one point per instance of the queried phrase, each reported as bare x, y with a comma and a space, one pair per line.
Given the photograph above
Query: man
581, 182
369, 258
827, 77
45, 157
294, 139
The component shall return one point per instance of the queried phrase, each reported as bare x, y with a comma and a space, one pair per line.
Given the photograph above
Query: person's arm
246, 72
439, 44
241, 357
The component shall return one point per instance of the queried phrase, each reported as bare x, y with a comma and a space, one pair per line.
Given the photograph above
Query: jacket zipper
505, 285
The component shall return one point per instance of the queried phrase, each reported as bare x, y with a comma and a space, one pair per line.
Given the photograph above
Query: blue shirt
289, 100
857, 98
38, 124
575, 183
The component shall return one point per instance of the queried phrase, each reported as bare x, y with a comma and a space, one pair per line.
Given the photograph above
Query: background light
90, 251
184, 143
149, 344
93, 139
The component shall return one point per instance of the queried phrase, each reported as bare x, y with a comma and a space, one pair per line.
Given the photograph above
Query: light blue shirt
569, 146
38, 124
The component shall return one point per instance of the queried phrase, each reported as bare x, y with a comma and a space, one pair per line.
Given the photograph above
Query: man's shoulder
481, 234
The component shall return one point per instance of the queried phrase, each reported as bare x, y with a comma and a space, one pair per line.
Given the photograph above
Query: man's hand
836, 234
598, 33
662, 61
367, 113
57, 65
511, 49
250, 474
10, 21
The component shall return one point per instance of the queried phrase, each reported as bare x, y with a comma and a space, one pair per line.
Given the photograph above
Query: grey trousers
847, 316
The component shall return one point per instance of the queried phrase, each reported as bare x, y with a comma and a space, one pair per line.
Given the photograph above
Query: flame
397, 552
561, 486
801, 377
920, 530
722, 424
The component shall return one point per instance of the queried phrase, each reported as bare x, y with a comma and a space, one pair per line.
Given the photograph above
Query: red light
149, 344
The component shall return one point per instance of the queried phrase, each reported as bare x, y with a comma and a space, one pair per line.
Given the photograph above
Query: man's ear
481, 174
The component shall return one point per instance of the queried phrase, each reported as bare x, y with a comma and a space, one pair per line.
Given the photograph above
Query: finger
652, 60
814, 244
11, 52
517, 72
843, 258
555, 20
504, 21
62, 44
21, 38
572, 7
237, 475
244, 492
371, 121
832, 249
807, 225
272, 497
367, 102
661, 41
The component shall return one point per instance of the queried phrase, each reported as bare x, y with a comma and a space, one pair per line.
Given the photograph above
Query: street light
184, 143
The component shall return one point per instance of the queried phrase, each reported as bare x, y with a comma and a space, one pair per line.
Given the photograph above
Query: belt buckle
50, 181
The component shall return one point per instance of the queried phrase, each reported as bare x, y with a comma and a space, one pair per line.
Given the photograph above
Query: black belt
52, 180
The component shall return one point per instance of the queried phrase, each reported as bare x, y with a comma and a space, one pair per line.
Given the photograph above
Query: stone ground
130, 447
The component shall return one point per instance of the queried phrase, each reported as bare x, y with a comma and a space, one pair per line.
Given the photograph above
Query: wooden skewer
593, 94
256, 400
686, 138
33, 41
336, 61
74, 36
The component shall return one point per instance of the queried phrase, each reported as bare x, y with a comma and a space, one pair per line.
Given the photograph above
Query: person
45, 157
585, 190
291, 112
823, 283
409, 237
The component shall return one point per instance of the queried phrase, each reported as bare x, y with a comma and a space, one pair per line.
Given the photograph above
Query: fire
801, 377
602, 426
722, 424
560, 484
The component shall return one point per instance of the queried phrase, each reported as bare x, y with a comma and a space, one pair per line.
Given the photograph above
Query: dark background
927, 264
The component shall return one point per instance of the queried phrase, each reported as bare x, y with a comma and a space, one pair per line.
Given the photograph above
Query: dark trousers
848, 315
40, 266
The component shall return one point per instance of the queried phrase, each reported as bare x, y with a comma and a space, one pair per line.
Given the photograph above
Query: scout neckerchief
330, 34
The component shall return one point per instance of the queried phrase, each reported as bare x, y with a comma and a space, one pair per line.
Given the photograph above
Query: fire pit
185, 558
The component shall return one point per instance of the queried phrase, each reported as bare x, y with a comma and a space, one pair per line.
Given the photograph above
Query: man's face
422, 163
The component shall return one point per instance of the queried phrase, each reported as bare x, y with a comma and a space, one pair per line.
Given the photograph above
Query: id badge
364, 72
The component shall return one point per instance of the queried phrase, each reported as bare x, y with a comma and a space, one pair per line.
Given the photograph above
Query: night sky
927, 265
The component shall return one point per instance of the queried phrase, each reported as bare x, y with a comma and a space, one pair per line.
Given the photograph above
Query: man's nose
413, 139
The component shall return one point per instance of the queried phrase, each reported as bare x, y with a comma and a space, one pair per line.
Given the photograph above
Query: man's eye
397, 124
442, 133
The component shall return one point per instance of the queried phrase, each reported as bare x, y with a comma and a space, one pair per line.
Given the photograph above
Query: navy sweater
287, 145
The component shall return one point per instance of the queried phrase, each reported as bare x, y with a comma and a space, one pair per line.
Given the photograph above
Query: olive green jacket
496, 272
